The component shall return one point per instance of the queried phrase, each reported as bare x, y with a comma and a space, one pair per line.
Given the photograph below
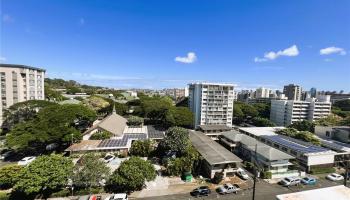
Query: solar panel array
336, 146
294, 144
154, 133
122, 142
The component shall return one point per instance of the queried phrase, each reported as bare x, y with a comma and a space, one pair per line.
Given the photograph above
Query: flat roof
259, 131
84, 145
212, 151
214, 127
268, 133
264, 150
335, 145
339, 192
21, 66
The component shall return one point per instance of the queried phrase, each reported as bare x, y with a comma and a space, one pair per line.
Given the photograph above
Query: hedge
321, 170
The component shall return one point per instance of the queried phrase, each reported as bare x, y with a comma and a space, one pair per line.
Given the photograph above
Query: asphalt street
264, 191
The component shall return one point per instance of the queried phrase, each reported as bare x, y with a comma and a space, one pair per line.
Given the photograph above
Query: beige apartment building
20, 83
211, 103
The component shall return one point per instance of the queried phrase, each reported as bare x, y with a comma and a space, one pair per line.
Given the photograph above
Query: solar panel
294, 144
154, 133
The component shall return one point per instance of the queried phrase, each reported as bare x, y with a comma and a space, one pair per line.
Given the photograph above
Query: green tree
131, 175
45, 175
179, 116
52, 95
248, 110
176, 139
218, 177
9, 175
186, 163
262, 122
53, 124
120, 108
308, 137
73, 90
291, 132
101, 135
142, 148
135, 121
237, 114
331, 120
263, 109
303, 126
23, 111
343, 105
90, 171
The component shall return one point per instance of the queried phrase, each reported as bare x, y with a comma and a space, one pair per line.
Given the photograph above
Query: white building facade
211, 103
262, 92
286, 112
20, 83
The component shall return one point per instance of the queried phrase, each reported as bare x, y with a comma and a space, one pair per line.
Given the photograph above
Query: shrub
4, 196
266, 175
321, 170
101, 135
135, 121
61, 193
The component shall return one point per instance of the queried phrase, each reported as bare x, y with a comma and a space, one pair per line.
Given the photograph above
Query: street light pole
255, 171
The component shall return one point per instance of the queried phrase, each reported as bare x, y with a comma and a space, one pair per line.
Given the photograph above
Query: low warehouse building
216, 157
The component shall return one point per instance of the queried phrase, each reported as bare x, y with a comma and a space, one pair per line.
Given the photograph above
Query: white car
120, 196
26, 160
108, 158
242, 174
290, 181
335, 177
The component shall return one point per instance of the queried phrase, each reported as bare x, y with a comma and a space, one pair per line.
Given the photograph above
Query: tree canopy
302, 135
179, 116
303, 126
9, 175
90, 171
44, 174
53, 124
23, 111
101, 135
142, 148
135, 121
131, 175
176, 139
262, 122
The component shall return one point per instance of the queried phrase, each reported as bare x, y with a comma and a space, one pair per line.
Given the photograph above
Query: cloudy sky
156, 44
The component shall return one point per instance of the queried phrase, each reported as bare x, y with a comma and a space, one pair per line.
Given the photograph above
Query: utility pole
346, 171
255, 170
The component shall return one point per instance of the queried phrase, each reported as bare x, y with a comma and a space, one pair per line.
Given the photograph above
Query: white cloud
190, 58
7, 18
2, 59
291, 51
332, 50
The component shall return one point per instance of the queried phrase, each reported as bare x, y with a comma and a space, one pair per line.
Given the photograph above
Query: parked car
201, 191
242, 174
334, 177
94, 197
290, 181
231, 188
108, 158
7, 154
308, 181
26, 160
221, 190
120, 196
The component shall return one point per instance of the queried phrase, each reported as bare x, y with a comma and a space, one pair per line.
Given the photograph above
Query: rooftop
264, 150
212, 151
21, 66
213, 127
339, 192
113, 123
84, 145
260, 131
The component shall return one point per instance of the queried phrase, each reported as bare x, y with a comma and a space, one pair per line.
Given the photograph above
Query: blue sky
156, 44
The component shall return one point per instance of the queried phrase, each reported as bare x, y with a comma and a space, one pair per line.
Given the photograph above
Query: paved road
264, 191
